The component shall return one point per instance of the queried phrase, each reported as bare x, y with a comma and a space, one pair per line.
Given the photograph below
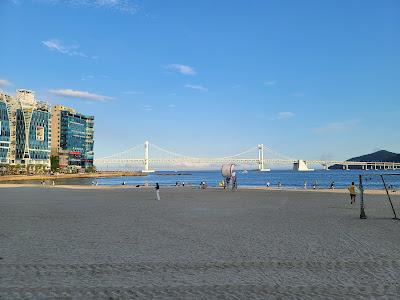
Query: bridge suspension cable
241, 153
170, 152
279, 155
121, 153
192, 157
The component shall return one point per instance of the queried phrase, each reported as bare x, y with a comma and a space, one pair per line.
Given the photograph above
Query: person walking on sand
157, 192
353, 193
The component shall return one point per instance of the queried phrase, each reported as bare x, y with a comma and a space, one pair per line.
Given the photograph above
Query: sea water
286, 178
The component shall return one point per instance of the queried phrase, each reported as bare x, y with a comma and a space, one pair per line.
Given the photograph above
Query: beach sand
114, 243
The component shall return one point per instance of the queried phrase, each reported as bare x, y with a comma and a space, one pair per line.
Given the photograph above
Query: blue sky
310, 79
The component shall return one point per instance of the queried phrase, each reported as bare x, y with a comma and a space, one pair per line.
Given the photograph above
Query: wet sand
103, 243
13, 178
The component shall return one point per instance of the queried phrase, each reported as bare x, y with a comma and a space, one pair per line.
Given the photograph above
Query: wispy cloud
80, 94
57, 45
337, 126
284, 115
4, 82
126, 6
270, 82
183, 69
88, 77
148, 107
133, 93
171, 105
196, 87
298, 94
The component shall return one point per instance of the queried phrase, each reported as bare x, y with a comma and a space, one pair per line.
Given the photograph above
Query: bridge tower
146, 158
261, 158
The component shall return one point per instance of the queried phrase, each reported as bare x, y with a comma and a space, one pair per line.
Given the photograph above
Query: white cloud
57, 45
285, 115
298, 94
183, 69
88, 77
80, 94
4, 82
148, 107
171, 105
337, 126
126, 6
270, 82
196, 87
133, 93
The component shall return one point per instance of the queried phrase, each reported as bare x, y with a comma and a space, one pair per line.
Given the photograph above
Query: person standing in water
157, 191
353, 193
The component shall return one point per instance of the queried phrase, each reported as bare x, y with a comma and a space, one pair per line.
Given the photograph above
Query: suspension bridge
260, 157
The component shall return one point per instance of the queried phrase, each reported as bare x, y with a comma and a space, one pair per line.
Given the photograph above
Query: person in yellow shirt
353, 193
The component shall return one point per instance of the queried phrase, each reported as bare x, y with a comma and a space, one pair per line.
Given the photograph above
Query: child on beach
352, 190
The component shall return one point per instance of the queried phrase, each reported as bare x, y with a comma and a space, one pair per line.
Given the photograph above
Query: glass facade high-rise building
5, 132
31, 132
72, 137
25, 135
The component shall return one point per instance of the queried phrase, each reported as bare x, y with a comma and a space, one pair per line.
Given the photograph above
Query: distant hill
381, 156
378, 156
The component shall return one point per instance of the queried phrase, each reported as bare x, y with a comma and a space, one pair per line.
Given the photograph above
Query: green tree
55, 163
91, 169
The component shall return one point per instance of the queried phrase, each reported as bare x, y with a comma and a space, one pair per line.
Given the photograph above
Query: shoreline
243, 188
7, 178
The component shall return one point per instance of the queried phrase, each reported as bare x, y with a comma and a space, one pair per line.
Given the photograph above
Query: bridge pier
146, 159
261, 165
301, 165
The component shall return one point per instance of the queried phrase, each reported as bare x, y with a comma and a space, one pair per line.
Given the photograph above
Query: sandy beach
193, 187
111, 243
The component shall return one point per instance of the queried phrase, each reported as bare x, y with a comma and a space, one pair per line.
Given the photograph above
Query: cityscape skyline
311, 80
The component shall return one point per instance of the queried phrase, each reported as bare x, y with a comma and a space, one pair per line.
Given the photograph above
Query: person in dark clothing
157, 191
